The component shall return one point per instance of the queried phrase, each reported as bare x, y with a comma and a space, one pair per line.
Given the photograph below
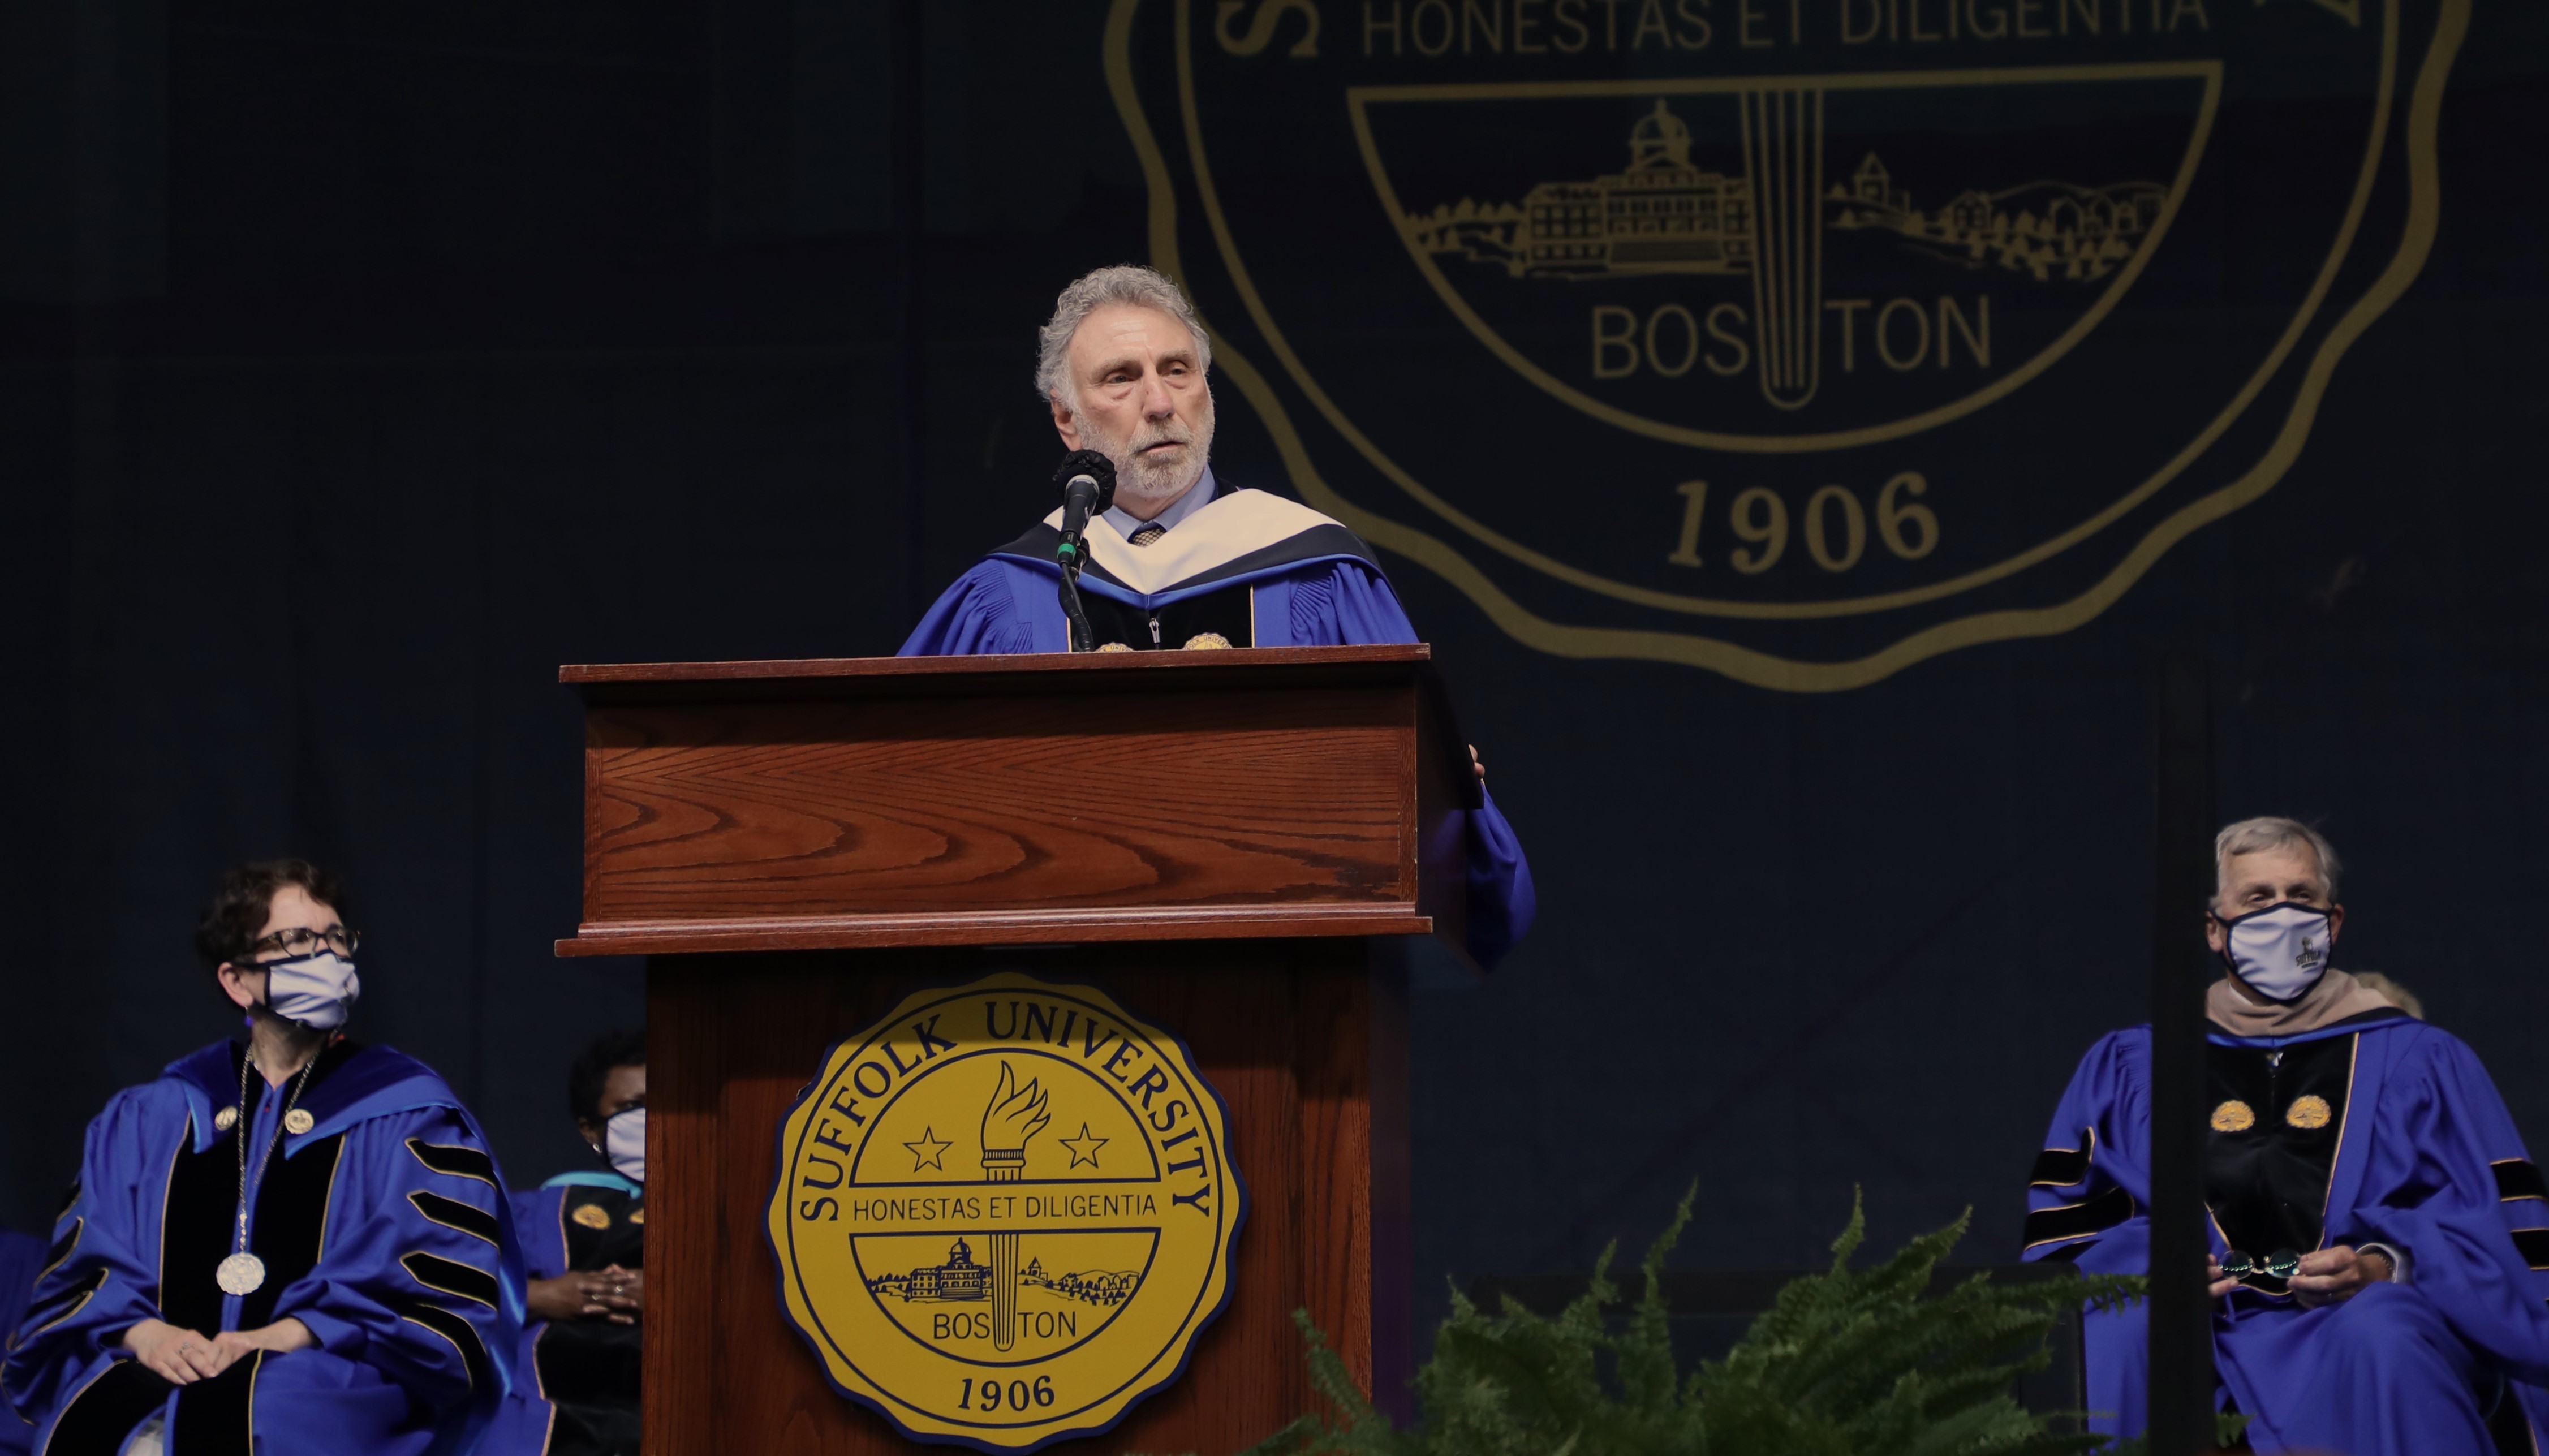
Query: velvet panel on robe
574, 1390
1320, 589
2427, 1161
383, 1227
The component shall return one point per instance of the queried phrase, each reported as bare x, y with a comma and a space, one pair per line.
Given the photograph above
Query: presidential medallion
1004, 1212
240, 1273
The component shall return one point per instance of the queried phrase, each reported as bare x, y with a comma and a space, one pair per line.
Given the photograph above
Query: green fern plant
1849, 1362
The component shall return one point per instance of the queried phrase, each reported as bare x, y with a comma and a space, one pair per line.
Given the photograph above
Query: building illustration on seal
1660, 214
1666, 214
959, 1280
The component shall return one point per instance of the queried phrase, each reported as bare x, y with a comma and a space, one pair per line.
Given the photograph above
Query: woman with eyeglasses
288, 1243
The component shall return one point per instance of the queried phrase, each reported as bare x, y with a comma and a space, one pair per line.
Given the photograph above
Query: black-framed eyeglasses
302, 941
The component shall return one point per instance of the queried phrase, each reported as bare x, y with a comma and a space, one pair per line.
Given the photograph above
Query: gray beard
1141, 487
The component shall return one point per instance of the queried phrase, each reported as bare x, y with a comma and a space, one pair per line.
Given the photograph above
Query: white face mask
318, 990
2281, 951
623, 1142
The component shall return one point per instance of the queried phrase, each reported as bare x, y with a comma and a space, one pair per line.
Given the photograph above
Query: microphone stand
1087, 482
1072, 552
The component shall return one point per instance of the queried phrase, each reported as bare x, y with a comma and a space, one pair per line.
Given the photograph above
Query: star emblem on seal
928, 1151
1083, 1148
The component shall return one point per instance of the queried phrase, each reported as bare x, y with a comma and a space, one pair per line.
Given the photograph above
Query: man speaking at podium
1179, 560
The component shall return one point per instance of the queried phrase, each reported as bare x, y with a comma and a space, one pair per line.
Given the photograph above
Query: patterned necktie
1147, 534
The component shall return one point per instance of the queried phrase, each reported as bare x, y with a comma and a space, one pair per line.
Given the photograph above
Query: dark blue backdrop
358, 365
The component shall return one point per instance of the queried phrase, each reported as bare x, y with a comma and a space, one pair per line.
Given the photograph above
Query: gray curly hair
2248, 835
1126, 282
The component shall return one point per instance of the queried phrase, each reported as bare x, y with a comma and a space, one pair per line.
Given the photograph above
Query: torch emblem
1016, 1114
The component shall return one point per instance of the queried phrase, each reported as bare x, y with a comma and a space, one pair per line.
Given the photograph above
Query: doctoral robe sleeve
100, 1275
1352, 606
2088, 1195
537, 1219
2087, 1202
2447, 1185
22, 1256
982, 612
422, 1276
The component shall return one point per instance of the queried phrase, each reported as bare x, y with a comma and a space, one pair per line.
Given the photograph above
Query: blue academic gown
22, 1258
1327, 591
528, 1423
384, 1228
2427, 1161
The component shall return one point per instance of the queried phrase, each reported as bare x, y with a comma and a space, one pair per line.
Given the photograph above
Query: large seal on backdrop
1797, 339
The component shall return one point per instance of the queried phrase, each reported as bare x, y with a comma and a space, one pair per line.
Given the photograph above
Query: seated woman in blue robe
576, 1384
1179, 561
2380, 1236
289, 1245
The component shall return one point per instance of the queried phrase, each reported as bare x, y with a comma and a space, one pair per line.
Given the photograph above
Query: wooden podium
1232, 843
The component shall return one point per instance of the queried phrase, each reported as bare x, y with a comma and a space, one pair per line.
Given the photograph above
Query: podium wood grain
880, 802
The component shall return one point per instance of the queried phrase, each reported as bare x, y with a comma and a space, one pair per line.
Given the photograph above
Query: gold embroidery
2235, 1116
1206, 639
590, 1216
2309, 1113
299, 1120
225, 1120
637, 1216
1114, 647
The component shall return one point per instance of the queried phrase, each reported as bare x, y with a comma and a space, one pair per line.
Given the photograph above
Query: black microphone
1087, 482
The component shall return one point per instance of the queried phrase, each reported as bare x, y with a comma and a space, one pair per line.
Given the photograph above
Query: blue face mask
623, 1142
2279, 951
318, 990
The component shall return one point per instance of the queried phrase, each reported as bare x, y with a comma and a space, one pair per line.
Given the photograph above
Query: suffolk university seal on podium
1004, 1212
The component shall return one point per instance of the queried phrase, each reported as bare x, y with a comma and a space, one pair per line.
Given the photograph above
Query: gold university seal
1004, 1212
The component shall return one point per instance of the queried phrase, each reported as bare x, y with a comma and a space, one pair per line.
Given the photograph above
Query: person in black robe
584, 1243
